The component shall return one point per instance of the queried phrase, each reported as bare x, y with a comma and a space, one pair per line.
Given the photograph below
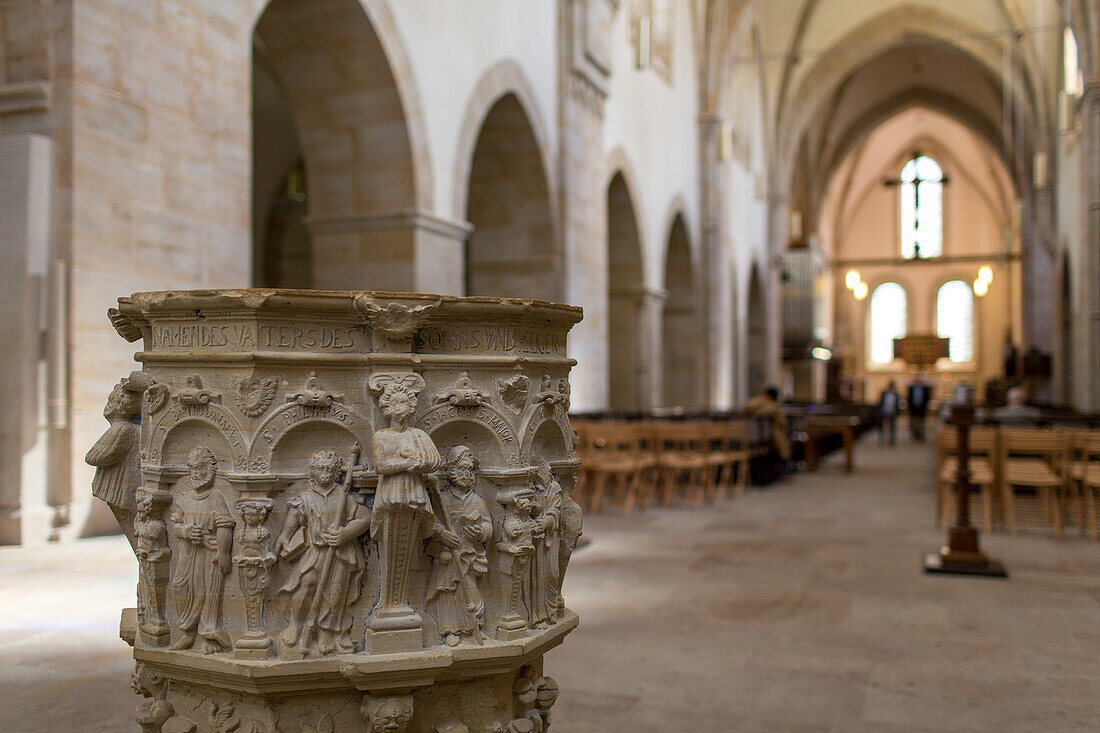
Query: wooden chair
720, 459
1034, 458
740, 448
613, 464
983, 464
1084, 475
681, 453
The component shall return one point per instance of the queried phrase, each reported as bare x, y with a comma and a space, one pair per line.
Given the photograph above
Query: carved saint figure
544, 572
515, 552
116, 454
326, 579
151, 548
253, 559
463, 526
402, 455
203, 526
572, 523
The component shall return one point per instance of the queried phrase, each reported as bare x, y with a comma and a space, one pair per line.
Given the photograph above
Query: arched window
955, 319
921, 208
888, 321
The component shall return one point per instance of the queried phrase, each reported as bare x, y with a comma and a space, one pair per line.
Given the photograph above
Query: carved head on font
397, 395
143, 501
324, 467
460, 466
254, 511
387, 715
203, 467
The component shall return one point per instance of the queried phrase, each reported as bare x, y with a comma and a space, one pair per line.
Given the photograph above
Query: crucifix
916, 180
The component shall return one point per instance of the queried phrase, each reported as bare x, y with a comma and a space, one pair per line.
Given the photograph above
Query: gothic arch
891, 29
683, 322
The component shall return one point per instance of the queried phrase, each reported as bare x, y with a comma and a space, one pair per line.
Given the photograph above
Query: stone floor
801, 607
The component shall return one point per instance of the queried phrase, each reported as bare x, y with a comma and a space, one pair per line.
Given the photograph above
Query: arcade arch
683, 324
323, 72
512, 250
625, 288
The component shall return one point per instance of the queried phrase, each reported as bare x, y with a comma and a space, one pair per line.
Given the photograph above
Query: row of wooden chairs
1030, 477
634, 464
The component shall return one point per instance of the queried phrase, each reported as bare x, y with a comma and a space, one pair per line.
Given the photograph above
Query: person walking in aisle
920, 394
888, 408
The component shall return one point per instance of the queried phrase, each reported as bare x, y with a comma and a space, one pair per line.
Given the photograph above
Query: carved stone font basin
351, 510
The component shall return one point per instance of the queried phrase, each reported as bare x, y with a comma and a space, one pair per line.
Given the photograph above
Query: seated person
766, 405
1017, 411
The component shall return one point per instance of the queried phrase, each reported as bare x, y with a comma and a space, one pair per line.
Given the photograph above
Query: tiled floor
801, 607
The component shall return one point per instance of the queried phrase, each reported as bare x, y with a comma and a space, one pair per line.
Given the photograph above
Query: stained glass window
955, 319
888, 321
921, 208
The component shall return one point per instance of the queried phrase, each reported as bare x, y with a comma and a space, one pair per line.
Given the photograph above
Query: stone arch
349, 91
627, 362
484, 414
897, 106
756, 334
891, 30
298, 419
514, 249
618, 164
682, 328
503, 78
991, 188
193, 430
474, 435
546, 426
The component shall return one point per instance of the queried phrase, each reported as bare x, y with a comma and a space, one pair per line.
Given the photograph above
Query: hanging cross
916, 181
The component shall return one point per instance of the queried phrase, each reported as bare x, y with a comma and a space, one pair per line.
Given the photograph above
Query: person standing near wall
888, 413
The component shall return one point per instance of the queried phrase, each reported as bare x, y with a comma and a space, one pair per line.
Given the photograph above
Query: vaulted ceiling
831, 71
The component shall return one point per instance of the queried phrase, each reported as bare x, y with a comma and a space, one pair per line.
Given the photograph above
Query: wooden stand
962, 555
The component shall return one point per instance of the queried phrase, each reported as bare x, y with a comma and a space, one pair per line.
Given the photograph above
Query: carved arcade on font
390, 506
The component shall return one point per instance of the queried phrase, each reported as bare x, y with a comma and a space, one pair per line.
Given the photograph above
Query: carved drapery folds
376, 480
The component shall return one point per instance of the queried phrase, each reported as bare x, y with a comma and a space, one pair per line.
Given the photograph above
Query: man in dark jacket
919, 396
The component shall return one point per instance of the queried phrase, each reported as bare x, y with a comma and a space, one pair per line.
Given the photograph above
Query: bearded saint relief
463, 525
203, 526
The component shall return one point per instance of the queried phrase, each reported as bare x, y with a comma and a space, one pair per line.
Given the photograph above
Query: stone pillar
710, 204
345, 506
1090, 159
585, 65
770, 271
404, 251
638, 386
26, 189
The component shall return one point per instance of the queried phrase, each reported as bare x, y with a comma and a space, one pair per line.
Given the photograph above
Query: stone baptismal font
350, 510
